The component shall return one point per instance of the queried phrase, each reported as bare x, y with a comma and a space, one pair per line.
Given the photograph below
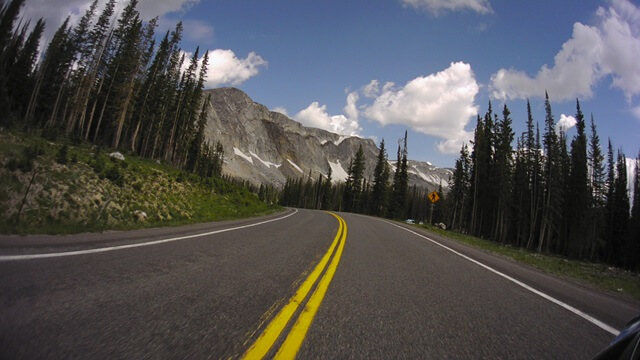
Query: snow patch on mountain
337, 172
295, 166
242, 155
341, 139
428, 177
266, 163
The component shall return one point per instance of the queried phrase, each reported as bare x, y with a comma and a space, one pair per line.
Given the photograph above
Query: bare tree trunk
104, 105
56, 105
123, 113
93, 109
32, 100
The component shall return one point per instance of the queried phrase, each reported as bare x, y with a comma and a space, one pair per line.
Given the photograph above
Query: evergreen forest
105, 81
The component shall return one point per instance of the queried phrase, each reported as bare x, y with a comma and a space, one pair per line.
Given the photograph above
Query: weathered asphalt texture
394, 295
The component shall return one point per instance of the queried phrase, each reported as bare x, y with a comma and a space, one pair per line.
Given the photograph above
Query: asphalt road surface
302, 283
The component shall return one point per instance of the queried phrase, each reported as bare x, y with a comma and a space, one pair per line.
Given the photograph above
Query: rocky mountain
263, 146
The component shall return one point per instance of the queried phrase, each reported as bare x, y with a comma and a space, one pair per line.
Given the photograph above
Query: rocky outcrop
267, 147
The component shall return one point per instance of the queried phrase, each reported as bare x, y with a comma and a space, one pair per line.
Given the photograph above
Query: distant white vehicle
410, 221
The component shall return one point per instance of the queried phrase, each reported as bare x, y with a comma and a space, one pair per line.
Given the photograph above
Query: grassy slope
80, 196
598, 275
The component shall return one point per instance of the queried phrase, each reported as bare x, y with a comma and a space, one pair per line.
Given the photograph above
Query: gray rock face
267, 147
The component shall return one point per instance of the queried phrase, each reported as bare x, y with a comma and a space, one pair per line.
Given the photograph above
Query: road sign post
434, 197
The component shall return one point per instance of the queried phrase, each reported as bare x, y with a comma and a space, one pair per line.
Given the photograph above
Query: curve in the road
129, 246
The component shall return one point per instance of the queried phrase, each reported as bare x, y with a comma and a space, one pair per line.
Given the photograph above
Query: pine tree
503, 175
552, 181
459, 186
380, 183
620, 228
326, 203
558, 242
196, 143
8, 17
597, 187
609, 211
352, 197
578, 189
21, 75
397, 208
634, 233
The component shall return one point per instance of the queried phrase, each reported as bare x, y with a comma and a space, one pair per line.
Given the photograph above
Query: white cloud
351, 108
439, 104
281, 110
573, 75
636, 112
151, 8
565, 123
372, 89
56, 11
610, 48
437, 6
316, 116
226, 68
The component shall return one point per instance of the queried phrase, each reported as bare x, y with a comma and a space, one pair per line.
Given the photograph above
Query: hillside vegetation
55, 187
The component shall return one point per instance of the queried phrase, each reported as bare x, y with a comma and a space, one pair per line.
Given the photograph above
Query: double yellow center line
298, 331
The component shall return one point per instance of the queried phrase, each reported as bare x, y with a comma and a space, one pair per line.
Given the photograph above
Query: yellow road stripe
296, 336
269, 336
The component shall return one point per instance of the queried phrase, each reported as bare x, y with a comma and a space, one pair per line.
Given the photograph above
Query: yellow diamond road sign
434, 197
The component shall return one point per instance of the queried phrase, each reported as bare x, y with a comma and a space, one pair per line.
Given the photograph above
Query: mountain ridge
264, 146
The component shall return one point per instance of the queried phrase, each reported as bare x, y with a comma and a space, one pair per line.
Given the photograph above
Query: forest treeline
387, 194
545, 195
105, 81
550, 194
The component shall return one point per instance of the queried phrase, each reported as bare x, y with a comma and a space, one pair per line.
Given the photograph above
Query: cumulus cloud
437, 6
152, 8
372, 89
440, 104
226, 68
315, 115
609, 48
565, 123
351, 108
56, 11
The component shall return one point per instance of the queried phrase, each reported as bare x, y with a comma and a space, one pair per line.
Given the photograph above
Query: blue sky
376, 68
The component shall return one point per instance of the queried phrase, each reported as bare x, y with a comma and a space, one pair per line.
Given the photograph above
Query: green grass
91, 196
599, 275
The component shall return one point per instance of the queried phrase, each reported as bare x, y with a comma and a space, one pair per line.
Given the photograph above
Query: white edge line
112, 248
583, 315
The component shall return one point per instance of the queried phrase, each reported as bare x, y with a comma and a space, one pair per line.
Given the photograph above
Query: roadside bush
114, 175
24, 162
97, 163
63, 154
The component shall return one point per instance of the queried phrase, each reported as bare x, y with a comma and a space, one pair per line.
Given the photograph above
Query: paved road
393, 294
